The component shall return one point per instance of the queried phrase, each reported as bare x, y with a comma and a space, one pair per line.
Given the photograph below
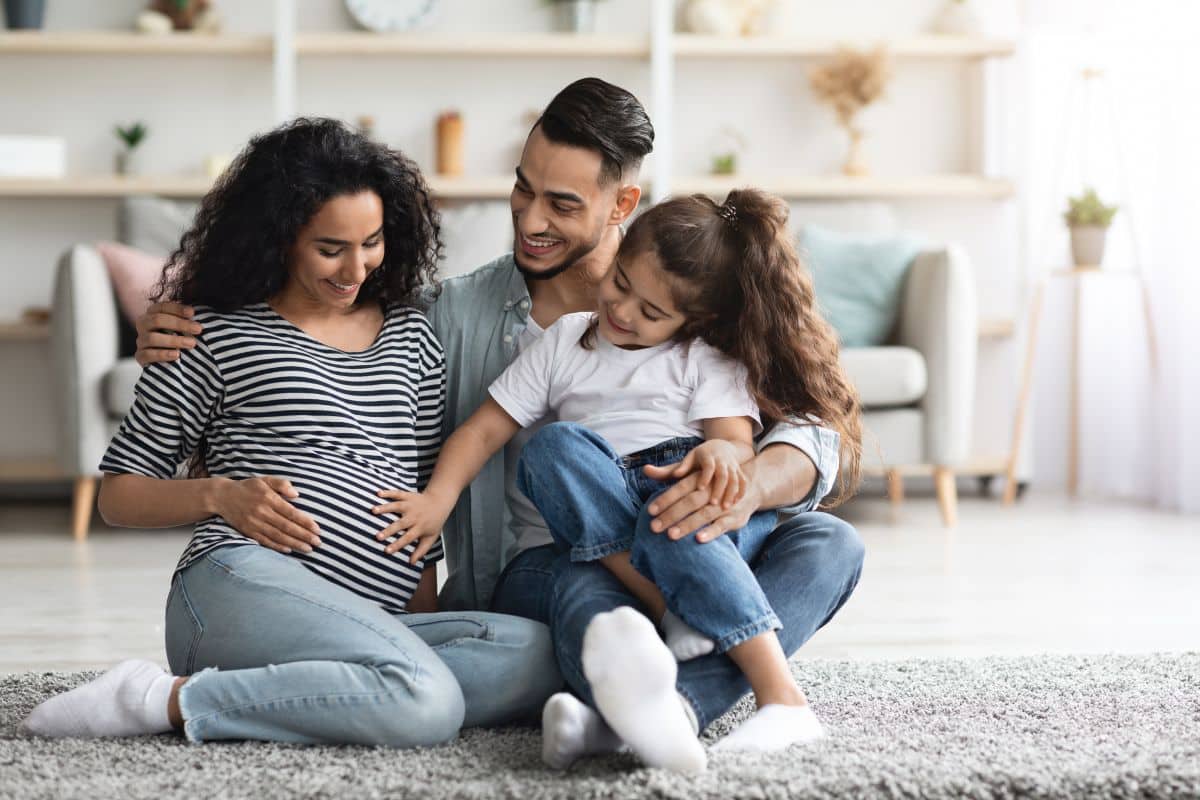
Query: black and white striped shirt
269, 400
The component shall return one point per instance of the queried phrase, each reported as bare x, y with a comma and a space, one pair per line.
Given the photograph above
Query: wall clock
384, 16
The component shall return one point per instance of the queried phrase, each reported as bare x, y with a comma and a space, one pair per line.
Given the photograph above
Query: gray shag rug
1053, 726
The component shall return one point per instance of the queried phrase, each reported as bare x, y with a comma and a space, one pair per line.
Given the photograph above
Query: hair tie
728, 213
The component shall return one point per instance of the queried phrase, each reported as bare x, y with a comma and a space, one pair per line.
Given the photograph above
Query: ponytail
745, 292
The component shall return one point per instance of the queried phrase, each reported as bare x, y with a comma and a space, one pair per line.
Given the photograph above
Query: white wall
197, 106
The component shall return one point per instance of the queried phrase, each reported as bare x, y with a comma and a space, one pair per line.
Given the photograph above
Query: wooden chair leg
895, 487
82, 505
947, 495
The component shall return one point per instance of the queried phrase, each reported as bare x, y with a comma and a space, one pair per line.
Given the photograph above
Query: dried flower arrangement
849, 82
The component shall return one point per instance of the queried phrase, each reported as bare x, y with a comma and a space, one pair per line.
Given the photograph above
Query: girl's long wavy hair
236, 252
739, 281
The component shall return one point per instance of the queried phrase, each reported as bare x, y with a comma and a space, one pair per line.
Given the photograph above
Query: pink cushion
133, 274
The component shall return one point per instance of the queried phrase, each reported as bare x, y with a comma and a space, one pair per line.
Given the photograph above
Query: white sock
774, 727
632, 675
684, 641
570, 730
128, 700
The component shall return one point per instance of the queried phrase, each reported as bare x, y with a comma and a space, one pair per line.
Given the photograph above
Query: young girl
706, 323
316, 383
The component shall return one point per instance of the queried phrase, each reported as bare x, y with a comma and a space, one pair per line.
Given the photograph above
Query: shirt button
524, 305
508, 338
508, 305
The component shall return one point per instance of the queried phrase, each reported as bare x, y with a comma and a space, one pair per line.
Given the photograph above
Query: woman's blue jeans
277, 653
595, 504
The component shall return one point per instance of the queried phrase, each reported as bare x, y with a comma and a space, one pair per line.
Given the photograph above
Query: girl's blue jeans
595, 504
277, 653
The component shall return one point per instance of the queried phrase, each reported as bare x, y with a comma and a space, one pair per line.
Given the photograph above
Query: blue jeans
277, 653
808, 567
594, 502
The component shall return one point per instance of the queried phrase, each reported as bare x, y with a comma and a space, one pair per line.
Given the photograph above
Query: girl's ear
628, 197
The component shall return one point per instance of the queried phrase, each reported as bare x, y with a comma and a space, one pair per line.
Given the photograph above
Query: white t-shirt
633, 398
525, 521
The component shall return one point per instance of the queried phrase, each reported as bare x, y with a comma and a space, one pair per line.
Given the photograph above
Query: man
575, 186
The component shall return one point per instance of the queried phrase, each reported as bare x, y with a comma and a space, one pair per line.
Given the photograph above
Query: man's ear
628, 197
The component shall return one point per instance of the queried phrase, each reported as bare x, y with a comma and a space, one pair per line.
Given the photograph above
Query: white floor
1046, 576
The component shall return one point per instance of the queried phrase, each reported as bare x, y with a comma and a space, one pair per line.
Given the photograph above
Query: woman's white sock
571, 730
684, 641
774, 727
632, 675
128, 700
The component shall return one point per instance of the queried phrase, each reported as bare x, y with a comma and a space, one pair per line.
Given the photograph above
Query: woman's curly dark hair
236, 252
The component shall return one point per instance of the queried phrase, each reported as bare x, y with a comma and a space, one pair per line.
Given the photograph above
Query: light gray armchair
93, 384
918, 393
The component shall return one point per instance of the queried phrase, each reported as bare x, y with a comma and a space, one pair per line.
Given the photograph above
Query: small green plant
724, 164
1087, 209
131, 135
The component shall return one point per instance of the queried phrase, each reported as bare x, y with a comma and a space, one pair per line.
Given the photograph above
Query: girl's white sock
774, 727
632, 675
571, 730
684, 641
128, 700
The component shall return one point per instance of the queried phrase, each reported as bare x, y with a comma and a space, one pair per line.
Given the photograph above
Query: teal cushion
858, 280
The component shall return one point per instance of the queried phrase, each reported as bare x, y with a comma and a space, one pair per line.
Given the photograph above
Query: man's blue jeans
807, 568
594, 502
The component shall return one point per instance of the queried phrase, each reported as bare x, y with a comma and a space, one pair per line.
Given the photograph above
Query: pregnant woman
317, 383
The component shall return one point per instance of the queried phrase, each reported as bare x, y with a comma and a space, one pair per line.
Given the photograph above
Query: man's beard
570, 260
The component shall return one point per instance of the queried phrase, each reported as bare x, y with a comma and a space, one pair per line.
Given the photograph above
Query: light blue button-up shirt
479, 318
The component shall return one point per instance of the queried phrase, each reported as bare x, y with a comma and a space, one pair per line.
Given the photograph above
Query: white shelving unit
662, 50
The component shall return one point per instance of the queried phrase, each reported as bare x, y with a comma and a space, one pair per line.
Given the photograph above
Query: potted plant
131, 136
576, 16
1088, 219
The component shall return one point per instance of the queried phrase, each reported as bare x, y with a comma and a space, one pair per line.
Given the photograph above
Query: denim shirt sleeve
821, 445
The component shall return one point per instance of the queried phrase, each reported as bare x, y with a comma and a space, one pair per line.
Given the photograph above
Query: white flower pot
577, 16
1087, 244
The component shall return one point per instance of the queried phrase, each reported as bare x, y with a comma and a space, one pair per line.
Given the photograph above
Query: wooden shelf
130, 43
526, 45
996, 328
841, 186
20, 331
963, 47
498, 187
30, 470
493, 187
105, 186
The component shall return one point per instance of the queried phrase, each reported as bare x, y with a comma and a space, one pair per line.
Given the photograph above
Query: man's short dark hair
596, 115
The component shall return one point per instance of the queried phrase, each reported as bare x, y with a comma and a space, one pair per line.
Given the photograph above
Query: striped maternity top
267, 399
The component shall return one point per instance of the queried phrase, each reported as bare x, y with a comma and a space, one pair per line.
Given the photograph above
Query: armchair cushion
858, 281
118, 387
133, 274
886, 376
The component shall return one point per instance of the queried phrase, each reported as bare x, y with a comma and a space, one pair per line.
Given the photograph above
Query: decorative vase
712, 17
577, 16
123, 163
1087, 245
449, 154
855, 164
24, 14
958, 18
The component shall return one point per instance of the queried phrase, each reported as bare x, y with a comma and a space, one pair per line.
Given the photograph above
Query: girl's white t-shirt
633, 398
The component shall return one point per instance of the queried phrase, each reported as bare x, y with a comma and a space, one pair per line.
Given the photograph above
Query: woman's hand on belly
258, 508
421, 517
